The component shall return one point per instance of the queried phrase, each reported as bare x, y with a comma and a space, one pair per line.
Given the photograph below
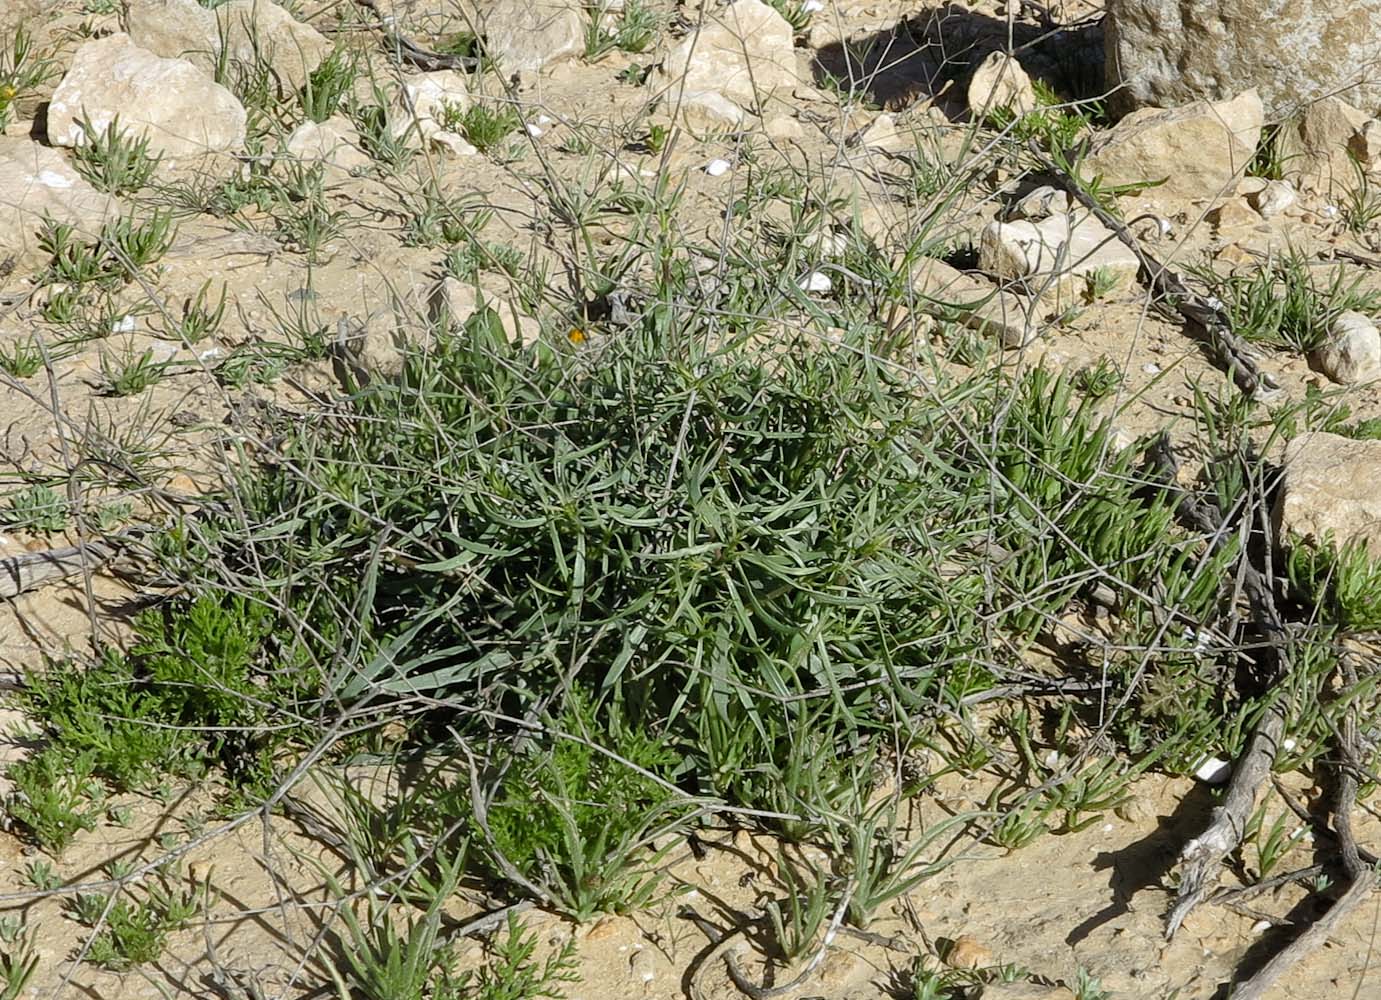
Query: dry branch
1202, 318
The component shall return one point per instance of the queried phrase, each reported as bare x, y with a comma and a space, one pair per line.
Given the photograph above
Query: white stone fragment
1213, 771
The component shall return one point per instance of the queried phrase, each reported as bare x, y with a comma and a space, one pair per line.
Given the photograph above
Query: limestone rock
242, 32
1273, 199
1198, 150
421, 105
1060, 247
739, 59
334, 142
175, 29
1000, 82
1352, 351
1234, 214
949, 293
1315, 148
525, 35
181, 109
1331, 484
37, 181
1040, 203
1165, 53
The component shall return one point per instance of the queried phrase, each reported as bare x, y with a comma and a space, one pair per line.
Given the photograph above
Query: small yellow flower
7, 93
577, 336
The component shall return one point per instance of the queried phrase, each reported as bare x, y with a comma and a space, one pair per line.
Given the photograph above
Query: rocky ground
283, 245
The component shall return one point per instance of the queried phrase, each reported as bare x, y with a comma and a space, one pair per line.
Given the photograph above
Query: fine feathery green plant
133, 932
54, 797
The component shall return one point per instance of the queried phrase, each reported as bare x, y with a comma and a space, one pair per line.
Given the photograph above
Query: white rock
1000, 82
1166, 52
742, 55
1331, 486
334, 142
181, 109
1057, 248
1352, 351
718, 168
1273, 199
523, 36
1213, 771
37, 182
816, 281
420, 107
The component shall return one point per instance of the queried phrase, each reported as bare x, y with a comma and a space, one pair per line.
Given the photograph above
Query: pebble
1213, 771
1273, 199
718, 168
534, 130
1151, 368
815, 281
125, 324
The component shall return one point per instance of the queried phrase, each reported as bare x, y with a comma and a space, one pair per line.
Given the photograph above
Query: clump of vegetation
1290, 302
113, 160
22, 68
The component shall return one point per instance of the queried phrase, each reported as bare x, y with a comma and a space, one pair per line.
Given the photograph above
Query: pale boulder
241, 33
37, 182
1045, 255
422, 106
1165, 53
181, 109
1000, 82
742, 56
1197, 151
1331, 487
1317, 148
1352, 350
334, 143
523, 36
1274, 198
